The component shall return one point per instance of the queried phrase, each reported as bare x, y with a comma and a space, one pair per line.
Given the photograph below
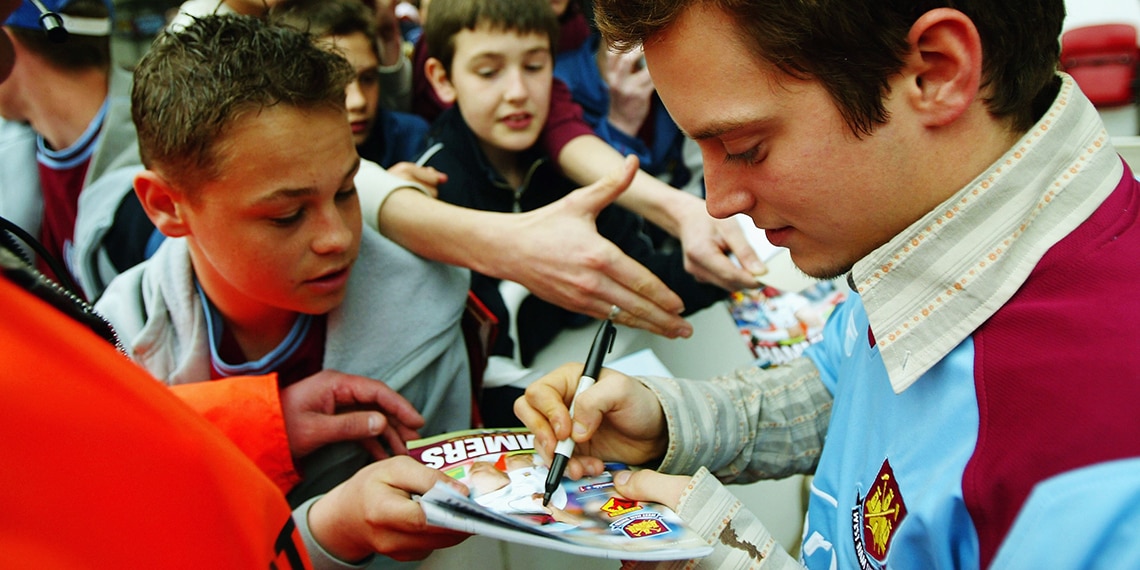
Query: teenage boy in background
266, 267
492, 63
971, 196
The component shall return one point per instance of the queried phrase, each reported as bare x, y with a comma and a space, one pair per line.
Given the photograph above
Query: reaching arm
706, 241
555, 251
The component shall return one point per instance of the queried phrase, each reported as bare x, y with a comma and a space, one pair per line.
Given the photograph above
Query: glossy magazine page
507, 480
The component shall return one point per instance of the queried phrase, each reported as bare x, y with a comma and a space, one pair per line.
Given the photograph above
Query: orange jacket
105, 468
258, 430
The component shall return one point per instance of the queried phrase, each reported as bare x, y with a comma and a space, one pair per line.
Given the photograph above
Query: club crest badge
876, 517
641, 526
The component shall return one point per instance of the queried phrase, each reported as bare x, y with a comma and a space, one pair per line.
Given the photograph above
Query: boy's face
279, 231
776, 148
362, 97
501, 82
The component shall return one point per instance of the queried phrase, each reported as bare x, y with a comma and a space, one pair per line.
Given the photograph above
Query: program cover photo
507, 479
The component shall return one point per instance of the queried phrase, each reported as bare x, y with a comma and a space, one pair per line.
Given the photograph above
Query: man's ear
944, 68
162, 203
437, 76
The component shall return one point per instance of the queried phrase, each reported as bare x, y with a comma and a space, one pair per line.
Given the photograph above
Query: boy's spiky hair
195, 83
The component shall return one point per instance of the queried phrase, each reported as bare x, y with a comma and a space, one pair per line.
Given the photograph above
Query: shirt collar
933, 284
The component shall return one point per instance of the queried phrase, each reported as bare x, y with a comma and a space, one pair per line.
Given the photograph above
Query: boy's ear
944, 68
162, 203
437, 76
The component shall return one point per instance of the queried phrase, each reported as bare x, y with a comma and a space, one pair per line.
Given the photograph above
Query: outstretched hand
616, 419
559, 256
332, 406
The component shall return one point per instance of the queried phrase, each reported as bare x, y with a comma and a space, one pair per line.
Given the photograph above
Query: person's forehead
488, 40
744, 86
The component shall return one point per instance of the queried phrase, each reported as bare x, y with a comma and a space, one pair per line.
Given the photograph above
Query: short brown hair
196, 82
854, 47
449, 17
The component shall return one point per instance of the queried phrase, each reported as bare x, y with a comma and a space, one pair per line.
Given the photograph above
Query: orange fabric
105, 468
259, 430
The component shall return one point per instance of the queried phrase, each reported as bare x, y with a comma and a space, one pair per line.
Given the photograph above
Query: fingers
427, 176
730, 230
360, 391
544, 407
397, 439
649, 485
645, 301
413, 477
374, 448
711, 265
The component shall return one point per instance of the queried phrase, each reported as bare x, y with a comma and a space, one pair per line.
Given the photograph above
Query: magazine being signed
506, 478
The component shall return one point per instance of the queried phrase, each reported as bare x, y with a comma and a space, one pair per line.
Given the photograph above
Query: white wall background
1085, 12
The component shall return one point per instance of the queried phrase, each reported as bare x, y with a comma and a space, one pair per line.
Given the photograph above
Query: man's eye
748, 157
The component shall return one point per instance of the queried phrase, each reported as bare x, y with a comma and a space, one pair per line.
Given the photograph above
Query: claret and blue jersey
1020, 448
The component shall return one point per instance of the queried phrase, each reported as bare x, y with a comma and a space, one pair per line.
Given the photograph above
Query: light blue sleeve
1088, 518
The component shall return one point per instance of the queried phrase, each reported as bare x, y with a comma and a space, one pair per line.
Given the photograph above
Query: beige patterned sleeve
749, 425
738, 538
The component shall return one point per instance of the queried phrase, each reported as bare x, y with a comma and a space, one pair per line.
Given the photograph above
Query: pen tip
545, 498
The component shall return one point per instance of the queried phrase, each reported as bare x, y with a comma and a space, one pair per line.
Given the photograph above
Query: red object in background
1102, 59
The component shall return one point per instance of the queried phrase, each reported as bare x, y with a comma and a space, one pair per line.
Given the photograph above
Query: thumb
600, 194
649, 485
348, 426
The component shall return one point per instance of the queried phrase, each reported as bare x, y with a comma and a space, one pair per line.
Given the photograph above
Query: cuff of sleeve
678, 459
394, 68
373, 186
740, 540
321, 559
